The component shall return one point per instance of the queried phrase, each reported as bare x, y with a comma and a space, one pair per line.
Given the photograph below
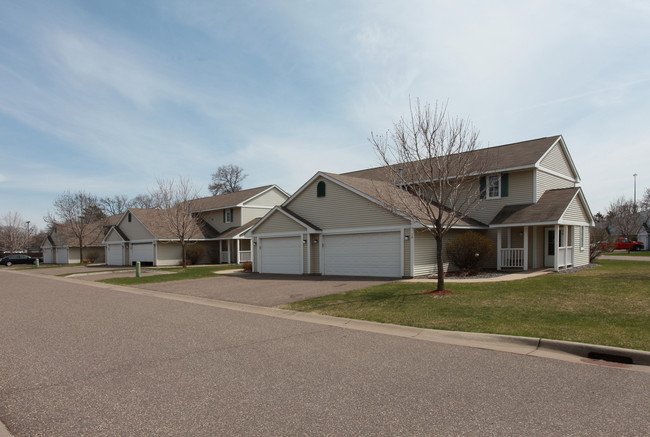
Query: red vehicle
622, 244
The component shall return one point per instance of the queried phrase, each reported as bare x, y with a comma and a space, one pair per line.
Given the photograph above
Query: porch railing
512, 258
244, 256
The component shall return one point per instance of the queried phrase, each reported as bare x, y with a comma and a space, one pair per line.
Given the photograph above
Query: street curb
539, 347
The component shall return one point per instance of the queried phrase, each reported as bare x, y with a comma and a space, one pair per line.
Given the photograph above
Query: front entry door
549, 247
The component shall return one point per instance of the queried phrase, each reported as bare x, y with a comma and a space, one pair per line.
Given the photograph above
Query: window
227, 215
320, 189
129, 218
494, 187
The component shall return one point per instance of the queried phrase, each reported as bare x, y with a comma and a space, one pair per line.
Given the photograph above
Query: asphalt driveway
264, 290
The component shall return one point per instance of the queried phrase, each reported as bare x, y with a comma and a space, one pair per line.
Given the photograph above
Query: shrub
194, 253
469, 251
92, 256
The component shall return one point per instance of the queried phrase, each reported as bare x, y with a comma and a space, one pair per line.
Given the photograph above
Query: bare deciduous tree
13, 232
143, 201
624, 218
115, 205
174, 198
227, 179
79, 212
432, 157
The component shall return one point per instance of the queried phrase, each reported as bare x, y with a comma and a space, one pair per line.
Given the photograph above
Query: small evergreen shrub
194, 253
470, 251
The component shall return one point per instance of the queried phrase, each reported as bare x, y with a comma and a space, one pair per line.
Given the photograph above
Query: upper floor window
494, 186
320, 189
227, 215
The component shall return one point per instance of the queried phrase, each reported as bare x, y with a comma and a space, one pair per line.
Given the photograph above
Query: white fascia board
110, 231
565, 149
558, 175
302, 188
367, 230
141, 222
281, 234
580, 195
263, 192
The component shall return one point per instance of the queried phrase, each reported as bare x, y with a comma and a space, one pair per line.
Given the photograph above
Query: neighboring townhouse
61, 246
232, 215
141, 234
532, 208
644, 234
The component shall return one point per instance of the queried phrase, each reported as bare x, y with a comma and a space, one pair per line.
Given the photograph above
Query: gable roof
231, 199
288, 213
153, 221
61, 234
508, 157
549, 209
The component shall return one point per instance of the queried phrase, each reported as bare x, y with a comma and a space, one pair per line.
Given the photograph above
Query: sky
107, 97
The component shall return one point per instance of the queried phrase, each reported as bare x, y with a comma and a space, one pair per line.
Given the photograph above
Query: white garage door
376, 254
48, 255
61, 255
114, 252
142, 252
281, 255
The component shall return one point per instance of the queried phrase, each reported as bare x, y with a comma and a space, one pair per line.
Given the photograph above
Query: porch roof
548, 209
235, 231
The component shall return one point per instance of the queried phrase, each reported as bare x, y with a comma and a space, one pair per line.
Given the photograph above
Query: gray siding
315, 253
341, 208
249, 214
215, 219
581, 254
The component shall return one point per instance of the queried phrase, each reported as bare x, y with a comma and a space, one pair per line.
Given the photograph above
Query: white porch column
535, 247
525, 248
498, 248
237, 251
556, 242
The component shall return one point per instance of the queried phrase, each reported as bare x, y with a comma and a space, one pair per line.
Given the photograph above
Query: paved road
82, 360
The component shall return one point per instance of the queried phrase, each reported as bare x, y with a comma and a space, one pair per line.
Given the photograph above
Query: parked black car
17, 259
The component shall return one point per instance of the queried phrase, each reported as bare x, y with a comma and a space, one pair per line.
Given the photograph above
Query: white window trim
487, 187
228, 216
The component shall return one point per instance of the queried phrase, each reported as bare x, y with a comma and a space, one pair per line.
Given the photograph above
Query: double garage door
375, 254
372, 254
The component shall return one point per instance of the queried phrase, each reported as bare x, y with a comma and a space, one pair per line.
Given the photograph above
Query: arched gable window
320, 189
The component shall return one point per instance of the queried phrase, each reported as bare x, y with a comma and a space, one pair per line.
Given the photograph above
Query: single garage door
61, 255
114, 255
48, 255
143, 252
281, 255
375, 254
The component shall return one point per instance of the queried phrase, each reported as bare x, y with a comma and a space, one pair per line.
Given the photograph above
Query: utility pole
28, 222
635, 175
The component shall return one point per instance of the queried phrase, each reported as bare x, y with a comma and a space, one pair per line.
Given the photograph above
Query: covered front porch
534, 247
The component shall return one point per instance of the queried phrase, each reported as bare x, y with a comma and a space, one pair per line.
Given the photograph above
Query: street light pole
635, 175
28, 235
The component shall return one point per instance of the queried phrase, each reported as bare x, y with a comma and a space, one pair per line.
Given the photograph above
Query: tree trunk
183, 246
81, 251
441, 265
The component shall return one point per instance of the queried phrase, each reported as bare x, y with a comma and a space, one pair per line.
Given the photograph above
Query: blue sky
107, 96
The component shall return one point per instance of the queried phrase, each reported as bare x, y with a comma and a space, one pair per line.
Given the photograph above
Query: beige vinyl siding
580, 255
424, 259
406, 268
215, 219
520, 191
114, 237
169, 254
315, 253
271, 198
557, 161
340, 208
575, 212
135, 230
278, 223
546, 181
249, 214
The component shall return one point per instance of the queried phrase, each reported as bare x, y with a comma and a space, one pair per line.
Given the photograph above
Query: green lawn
171, 274
635, 253
608, 305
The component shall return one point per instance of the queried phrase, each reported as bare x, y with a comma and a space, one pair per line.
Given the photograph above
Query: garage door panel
143, 252
373, 254
281, 255
114, 255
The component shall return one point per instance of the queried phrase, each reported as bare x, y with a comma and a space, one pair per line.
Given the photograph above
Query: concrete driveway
265, 290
